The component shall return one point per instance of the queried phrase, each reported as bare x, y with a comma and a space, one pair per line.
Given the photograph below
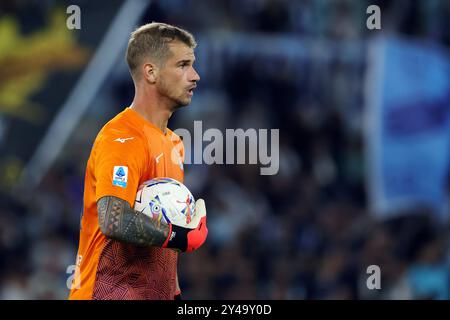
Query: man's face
177, 77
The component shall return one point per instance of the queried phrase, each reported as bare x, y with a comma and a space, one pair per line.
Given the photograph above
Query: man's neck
153, 110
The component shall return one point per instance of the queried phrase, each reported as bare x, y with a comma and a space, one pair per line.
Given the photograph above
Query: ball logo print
156, 209
167, 200
187, 209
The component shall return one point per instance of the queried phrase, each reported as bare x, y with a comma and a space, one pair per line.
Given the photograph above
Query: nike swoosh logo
157, 158
122, 140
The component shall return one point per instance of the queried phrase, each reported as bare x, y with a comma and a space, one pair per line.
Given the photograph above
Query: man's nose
195, 76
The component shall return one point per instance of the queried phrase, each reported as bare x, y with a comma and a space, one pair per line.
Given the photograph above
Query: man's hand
190, 238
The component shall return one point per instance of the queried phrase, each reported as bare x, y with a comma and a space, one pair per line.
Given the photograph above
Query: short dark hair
151, 40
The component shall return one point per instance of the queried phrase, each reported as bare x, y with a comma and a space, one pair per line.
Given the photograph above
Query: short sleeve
119, 166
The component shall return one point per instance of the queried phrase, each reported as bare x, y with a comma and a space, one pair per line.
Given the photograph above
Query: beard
178, 100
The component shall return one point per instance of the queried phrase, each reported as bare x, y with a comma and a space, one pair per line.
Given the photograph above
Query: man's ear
150, 72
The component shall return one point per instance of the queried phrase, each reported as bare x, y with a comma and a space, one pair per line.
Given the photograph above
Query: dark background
299, 66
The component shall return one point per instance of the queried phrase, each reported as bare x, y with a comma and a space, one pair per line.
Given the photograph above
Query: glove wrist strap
177, 238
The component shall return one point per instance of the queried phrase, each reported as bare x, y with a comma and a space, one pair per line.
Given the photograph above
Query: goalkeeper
124, 254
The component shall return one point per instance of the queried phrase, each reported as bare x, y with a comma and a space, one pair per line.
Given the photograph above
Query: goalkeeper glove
191, 238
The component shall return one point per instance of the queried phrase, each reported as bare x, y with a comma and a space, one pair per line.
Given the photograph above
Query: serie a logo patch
120, 176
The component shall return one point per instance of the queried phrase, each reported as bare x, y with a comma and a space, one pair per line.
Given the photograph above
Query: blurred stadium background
364, 142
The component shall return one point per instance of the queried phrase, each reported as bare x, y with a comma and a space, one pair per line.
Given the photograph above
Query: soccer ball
166, 199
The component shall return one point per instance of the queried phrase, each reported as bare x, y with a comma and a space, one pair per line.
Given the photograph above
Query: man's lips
190, 90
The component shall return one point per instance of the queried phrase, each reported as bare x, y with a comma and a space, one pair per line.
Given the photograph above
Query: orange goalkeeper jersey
128, 151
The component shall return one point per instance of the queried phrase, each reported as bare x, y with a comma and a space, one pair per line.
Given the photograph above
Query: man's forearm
118, 221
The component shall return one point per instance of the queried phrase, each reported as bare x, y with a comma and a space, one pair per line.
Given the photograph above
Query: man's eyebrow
186, 61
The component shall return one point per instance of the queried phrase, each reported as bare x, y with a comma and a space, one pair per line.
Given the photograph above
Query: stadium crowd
305, 233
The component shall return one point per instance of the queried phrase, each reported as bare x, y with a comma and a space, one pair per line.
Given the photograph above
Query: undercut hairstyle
152, 41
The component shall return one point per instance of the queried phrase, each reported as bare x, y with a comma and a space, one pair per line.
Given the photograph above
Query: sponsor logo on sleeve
120, 176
